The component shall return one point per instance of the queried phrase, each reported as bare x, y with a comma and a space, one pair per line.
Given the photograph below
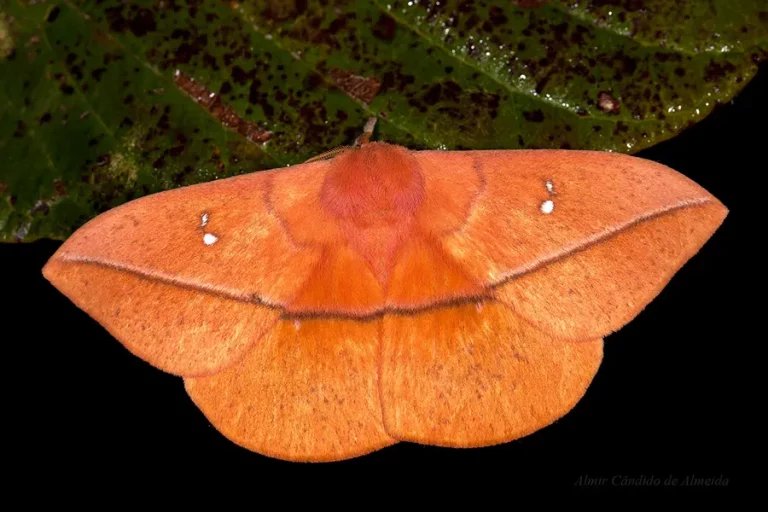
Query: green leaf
93, 114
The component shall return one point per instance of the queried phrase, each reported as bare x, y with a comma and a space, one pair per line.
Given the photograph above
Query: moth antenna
329, 154
365, 138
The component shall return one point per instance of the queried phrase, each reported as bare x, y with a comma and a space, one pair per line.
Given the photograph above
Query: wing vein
594, 239
252, 297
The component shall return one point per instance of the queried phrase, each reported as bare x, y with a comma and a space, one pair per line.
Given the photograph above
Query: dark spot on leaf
536, 116
496, 16
181, 177
577, 36
717, 71
385, 28
45, 118
21, 129
141, 23
77, 72
239, 75
279, 10
59, 188
542, 83
209, 61
159, 163
254, 95
177, 150
530, 4
53, 15
184, 53
313, 81
452, 91
164, 122
96, 73
336, 25
433, 95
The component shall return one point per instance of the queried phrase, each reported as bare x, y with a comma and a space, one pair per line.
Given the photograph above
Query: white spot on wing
297, 324
203, 220
209, 239
550, 187
547, 206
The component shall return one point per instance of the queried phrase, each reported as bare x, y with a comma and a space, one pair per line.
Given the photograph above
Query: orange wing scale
331, 309
307, 391
477, 374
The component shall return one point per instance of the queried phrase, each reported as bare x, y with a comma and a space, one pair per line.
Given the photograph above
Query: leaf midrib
326, 80
494, 78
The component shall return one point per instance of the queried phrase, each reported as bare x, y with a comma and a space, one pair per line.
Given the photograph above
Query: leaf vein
505, 85
331, 83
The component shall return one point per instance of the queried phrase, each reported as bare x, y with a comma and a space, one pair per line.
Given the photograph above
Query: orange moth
330, 309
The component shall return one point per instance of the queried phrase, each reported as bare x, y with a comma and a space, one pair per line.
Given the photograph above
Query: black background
664, 402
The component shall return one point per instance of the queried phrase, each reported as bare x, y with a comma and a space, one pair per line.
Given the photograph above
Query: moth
327, 310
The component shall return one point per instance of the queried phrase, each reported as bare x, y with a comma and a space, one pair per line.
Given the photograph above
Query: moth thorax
376, 183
